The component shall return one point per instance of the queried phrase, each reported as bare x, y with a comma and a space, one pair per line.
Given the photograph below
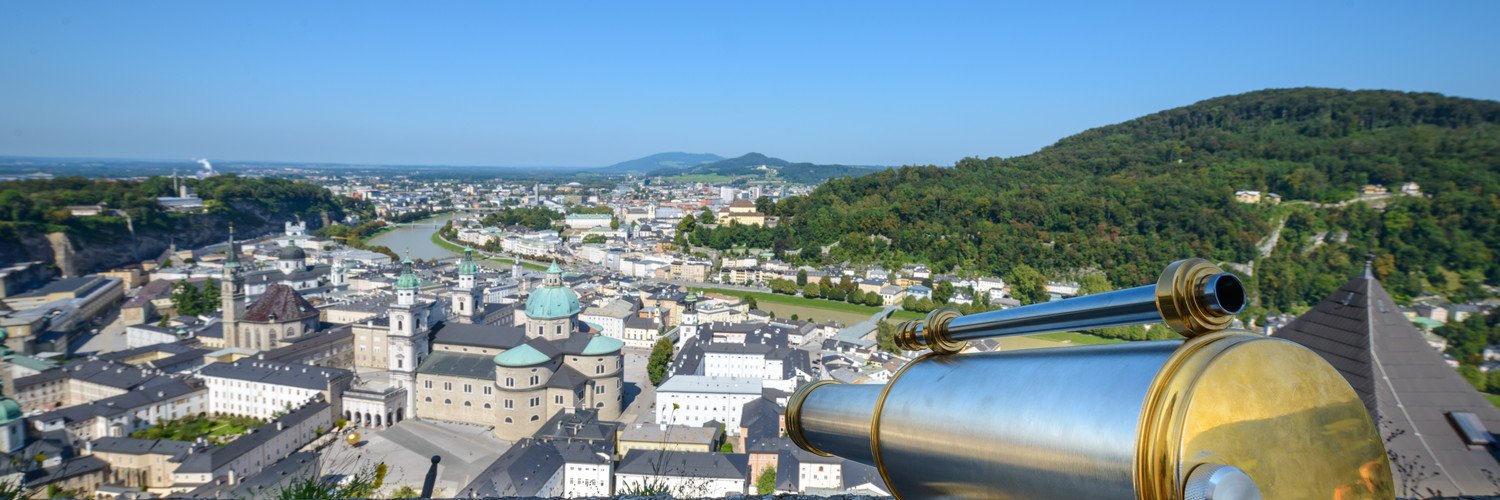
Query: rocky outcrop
76, 254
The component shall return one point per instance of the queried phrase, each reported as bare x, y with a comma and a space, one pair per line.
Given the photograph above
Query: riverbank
437, 239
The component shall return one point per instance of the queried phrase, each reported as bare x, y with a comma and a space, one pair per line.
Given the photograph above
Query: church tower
689, 325
466, 296
408, 332
232, 294
338, 276
515, 272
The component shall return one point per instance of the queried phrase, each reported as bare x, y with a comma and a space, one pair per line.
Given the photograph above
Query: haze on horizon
590, 85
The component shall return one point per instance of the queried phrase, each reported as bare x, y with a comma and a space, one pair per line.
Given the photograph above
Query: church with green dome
514, 377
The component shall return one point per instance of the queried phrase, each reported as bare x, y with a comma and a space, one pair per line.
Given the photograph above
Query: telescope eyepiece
1223, 293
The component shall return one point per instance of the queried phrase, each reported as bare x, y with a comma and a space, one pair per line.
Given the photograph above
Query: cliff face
76, 255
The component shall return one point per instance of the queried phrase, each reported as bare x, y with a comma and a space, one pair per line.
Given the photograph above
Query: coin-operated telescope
1221, 415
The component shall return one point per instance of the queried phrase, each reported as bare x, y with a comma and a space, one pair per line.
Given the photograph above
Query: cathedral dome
292, 252
553, 300
467, 266
522, 355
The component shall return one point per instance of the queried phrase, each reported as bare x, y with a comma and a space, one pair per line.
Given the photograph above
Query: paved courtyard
639, 393
407, 449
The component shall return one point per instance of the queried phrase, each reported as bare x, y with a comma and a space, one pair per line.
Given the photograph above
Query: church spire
233, 262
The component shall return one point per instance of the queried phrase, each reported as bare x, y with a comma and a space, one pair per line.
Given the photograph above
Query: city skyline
502, 85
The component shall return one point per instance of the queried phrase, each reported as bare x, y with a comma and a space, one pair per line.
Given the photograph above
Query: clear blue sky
548, 83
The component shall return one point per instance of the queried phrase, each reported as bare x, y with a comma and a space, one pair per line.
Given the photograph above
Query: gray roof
147, 394
98, 371
271, 372
655, 433
491, 336
459, 364
521, 471
582, 424
133, 446
1404, 383
686, 464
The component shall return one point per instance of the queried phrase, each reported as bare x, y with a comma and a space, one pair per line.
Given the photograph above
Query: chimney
278, 425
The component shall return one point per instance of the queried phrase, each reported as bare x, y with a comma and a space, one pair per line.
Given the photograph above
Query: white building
262, 389
610, 317
685, 474
696, 399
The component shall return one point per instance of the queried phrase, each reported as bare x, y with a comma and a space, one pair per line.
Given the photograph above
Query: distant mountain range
759, 165
660, 161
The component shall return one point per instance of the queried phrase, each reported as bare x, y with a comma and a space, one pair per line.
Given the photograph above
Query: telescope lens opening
1225, 293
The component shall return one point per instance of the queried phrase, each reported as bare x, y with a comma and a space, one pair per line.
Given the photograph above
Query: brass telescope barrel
1192, 297
1220, 416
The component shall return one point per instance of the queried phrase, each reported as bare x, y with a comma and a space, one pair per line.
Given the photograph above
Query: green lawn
786, 305
902, 314
1075, 338
439, 241
1494, 399
193, 427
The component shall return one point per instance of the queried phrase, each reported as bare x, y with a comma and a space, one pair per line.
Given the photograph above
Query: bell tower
465, 296
408, 332
232, 294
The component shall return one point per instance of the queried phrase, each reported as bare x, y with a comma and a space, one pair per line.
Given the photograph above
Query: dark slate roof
566, 378
280, 304
98, 371
271, 372
582, 424
312, 345
1405, 384
135, 446
459, 364
150, 291
163, 389
700, 464
79, 286
521, 471
491, 336
762, 417
74, 467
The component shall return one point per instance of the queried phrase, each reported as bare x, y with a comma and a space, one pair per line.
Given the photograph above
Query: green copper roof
554, 299
9, 410
467, 266
233, 261
408, 279
599, 344
522, 355
552, 303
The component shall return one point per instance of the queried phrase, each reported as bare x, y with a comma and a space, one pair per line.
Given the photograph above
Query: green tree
706, 216
727, 447
1472, 374
658, 361
1027, 284
1092, 283
812, 290
801, 277
885, 337
751, 302
765, 484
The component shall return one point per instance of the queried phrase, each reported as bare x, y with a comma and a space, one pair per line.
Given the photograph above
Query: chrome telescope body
1192, 297
1221, 415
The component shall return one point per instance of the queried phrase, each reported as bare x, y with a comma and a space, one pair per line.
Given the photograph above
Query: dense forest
1127, 199
751, 164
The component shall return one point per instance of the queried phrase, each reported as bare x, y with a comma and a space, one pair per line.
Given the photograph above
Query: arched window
428, 399
507, 420
447, 401
535, 418
486, 406
466, 403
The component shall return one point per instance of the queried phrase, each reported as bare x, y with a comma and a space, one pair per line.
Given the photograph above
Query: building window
466, 403
468, 388
509, 404
507, 420
535, 402
558, 399
427, 384
486, 406
510, 382
534, 380
598, 389
536, 418
428, 399
447, 386
447, 401
487, 390
599, 369
559, 329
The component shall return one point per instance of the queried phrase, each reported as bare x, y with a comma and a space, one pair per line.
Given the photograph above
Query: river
416, 238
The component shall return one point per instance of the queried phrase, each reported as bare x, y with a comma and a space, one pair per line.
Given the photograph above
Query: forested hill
759, 165
1129, 198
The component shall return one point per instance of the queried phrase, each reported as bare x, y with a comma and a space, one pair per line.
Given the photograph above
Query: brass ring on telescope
875, 422
1177, 298
794, 416
937, 331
